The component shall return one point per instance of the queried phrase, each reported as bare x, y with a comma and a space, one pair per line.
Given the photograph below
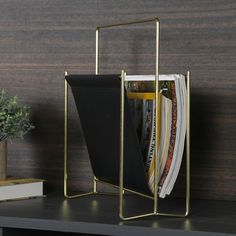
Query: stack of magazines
171, 125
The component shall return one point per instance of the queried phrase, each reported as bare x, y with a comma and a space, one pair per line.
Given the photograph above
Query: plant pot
3, 160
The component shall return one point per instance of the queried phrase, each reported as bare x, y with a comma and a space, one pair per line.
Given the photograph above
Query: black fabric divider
97, 99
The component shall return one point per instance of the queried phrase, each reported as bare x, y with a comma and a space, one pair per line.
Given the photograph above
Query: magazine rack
123, 154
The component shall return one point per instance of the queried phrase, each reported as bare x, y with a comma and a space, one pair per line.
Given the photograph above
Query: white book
170, 77
16, 188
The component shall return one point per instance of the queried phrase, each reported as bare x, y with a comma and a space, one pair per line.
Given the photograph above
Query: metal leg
121, 180
188, 147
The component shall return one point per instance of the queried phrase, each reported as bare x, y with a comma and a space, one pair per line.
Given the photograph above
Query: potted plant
14, 123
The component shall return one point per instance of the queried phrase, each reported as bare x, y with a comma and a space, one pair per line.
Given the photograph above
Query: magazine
171, 125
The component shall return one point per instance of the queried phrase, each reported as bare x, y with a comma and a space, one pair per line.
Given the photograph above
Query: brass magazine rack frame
154, 96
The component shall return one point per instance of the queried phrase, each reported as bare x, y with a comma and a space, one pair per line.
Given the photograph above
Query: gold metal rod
107, 193
121, 177
94, 184
128, 23
156, 173
80, 195
170, 214
97, 52
126, 189
138, 193
188, 147
65, 133
137, 217
156, 167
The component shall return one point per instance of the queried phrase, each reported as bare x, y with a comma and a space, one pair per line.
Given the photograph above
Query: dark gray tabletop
99, 215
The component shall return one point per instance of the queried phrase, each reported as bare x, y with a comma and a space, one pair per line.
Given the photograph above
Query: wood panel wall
41, 39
